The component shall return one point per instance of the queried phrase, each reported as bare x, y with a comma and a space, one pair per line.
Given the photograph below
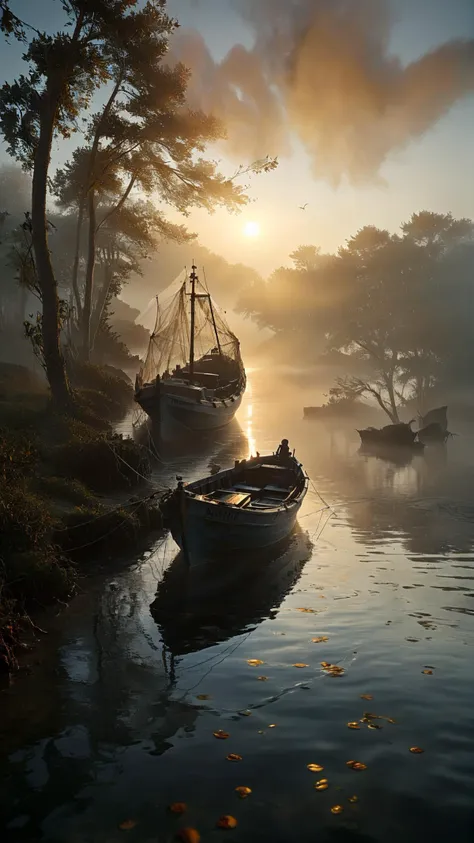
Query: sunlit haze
251, 229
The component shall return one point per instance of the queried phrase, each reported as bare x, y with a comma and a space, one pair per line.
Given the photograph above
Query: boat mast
215, 326
193, 279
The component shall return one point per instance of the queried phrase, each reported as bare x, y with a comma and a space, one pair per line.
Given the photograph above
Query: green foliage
103, 463
63, 490
106, 532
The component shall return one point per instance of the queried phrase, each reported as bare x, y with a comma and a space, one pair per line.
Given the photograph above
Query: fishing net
216, 348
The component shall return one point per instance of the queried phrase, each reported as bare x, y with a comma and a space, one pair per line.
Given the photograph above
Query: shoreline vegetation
57, 470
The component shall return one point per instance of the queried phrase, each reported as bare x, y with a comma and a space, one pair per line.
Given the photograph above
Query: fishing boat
193, 373
250, 506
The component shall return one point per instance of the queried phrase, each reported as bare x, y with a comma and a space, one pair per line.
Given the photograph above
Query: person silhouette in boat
283, 450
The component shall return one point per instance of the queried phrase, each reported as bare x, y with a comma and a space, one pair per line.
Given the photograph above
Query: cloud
322, 70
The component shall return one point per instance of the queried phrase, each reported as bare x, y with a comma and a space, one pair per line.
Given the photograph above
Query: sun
251, 229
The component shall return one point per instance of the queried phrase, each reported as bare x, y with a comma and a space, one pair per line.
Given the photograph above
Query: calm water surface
111, 726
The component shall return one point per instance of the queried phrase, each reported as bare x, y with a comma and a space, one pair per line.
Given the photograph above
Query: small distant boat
250, 506
438, 416
193, 373
392, 435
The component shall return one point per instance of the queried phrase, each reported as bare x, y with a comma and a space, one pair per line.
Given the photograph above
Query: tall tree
64, 69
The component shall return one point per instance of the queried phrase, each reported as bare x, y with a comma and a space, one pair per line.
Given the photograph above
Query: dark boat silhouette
196, 608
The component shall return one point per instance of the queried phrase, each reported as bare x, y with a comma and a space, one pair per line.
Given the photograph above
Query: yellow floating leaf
427, 672
272, 726
255, 662
323, 784
127, 825
353, 725
353, 799
314, 768
325, 665
366, 697
221, 735
178, 808
227, 821
337, 809
300, 664
203, 697
233, 757
189, 835
308, 611
262, 678
356, 765
373, 726
417, 750
243, 791
321, 639
245, 713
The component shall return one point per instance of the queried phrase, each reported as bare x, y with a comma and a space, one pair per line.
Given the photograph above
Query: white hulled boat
193, 373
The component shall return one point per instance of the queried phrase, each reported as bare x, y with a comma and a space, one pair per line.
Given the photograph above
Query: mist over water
111, 729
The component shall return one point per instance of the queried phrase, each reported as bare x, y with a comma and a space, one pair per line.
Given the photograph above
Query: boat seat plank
278, 489
243, 487
229, 497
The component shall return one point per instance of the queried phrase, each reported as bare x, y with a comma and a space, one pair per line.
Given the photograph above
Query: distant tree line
398, 303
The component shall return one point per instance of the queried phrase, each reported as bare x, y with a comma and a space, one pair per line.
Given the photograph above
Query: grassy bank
55, 472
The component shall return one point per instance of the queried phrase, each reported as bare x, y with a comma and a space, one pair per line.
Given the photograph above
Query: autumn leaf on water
189, 835
356, 765
353, 725
300, 664
127, 825
243, 791
233, 757
203, 697
227, 821
325, 665
221, 735
314, 768
255, 662
366, 697
272, 726
323, 784
337, 809
417, 750
178, 808
262, 678
427, 672
321, 639
245, 713
373, 726
353, 799
307, 611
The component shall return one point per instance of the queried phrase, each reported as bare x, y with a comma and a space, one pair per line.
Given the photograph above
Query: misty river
109, 729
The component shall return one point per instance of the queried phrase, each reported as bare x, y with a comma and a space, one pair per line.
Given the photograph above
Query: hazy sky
435, 172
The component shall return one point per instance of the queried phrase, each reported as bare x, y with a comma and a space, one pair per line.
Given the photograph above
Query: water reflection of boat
199, 607
193, 373
252, 505
398, 454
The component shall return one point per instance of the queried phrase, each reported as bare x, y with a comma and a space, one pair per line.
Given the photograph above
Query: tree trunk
102, 297
53, 358
87, 310
75, 268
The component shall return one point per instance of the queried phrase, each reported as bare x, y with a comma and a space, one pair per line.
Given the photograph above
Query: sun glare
251, 229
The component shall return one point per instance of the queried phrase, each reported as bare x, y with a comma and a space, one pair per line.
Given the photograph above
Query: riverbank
72, 492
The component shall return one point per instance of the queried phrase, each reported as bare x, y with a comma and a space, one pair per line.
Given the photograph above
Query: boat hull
210, 533
203, 416
205, 528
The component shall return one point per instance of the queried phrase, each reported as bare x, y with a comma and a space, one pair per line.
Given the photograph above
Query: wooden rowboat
250, 506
